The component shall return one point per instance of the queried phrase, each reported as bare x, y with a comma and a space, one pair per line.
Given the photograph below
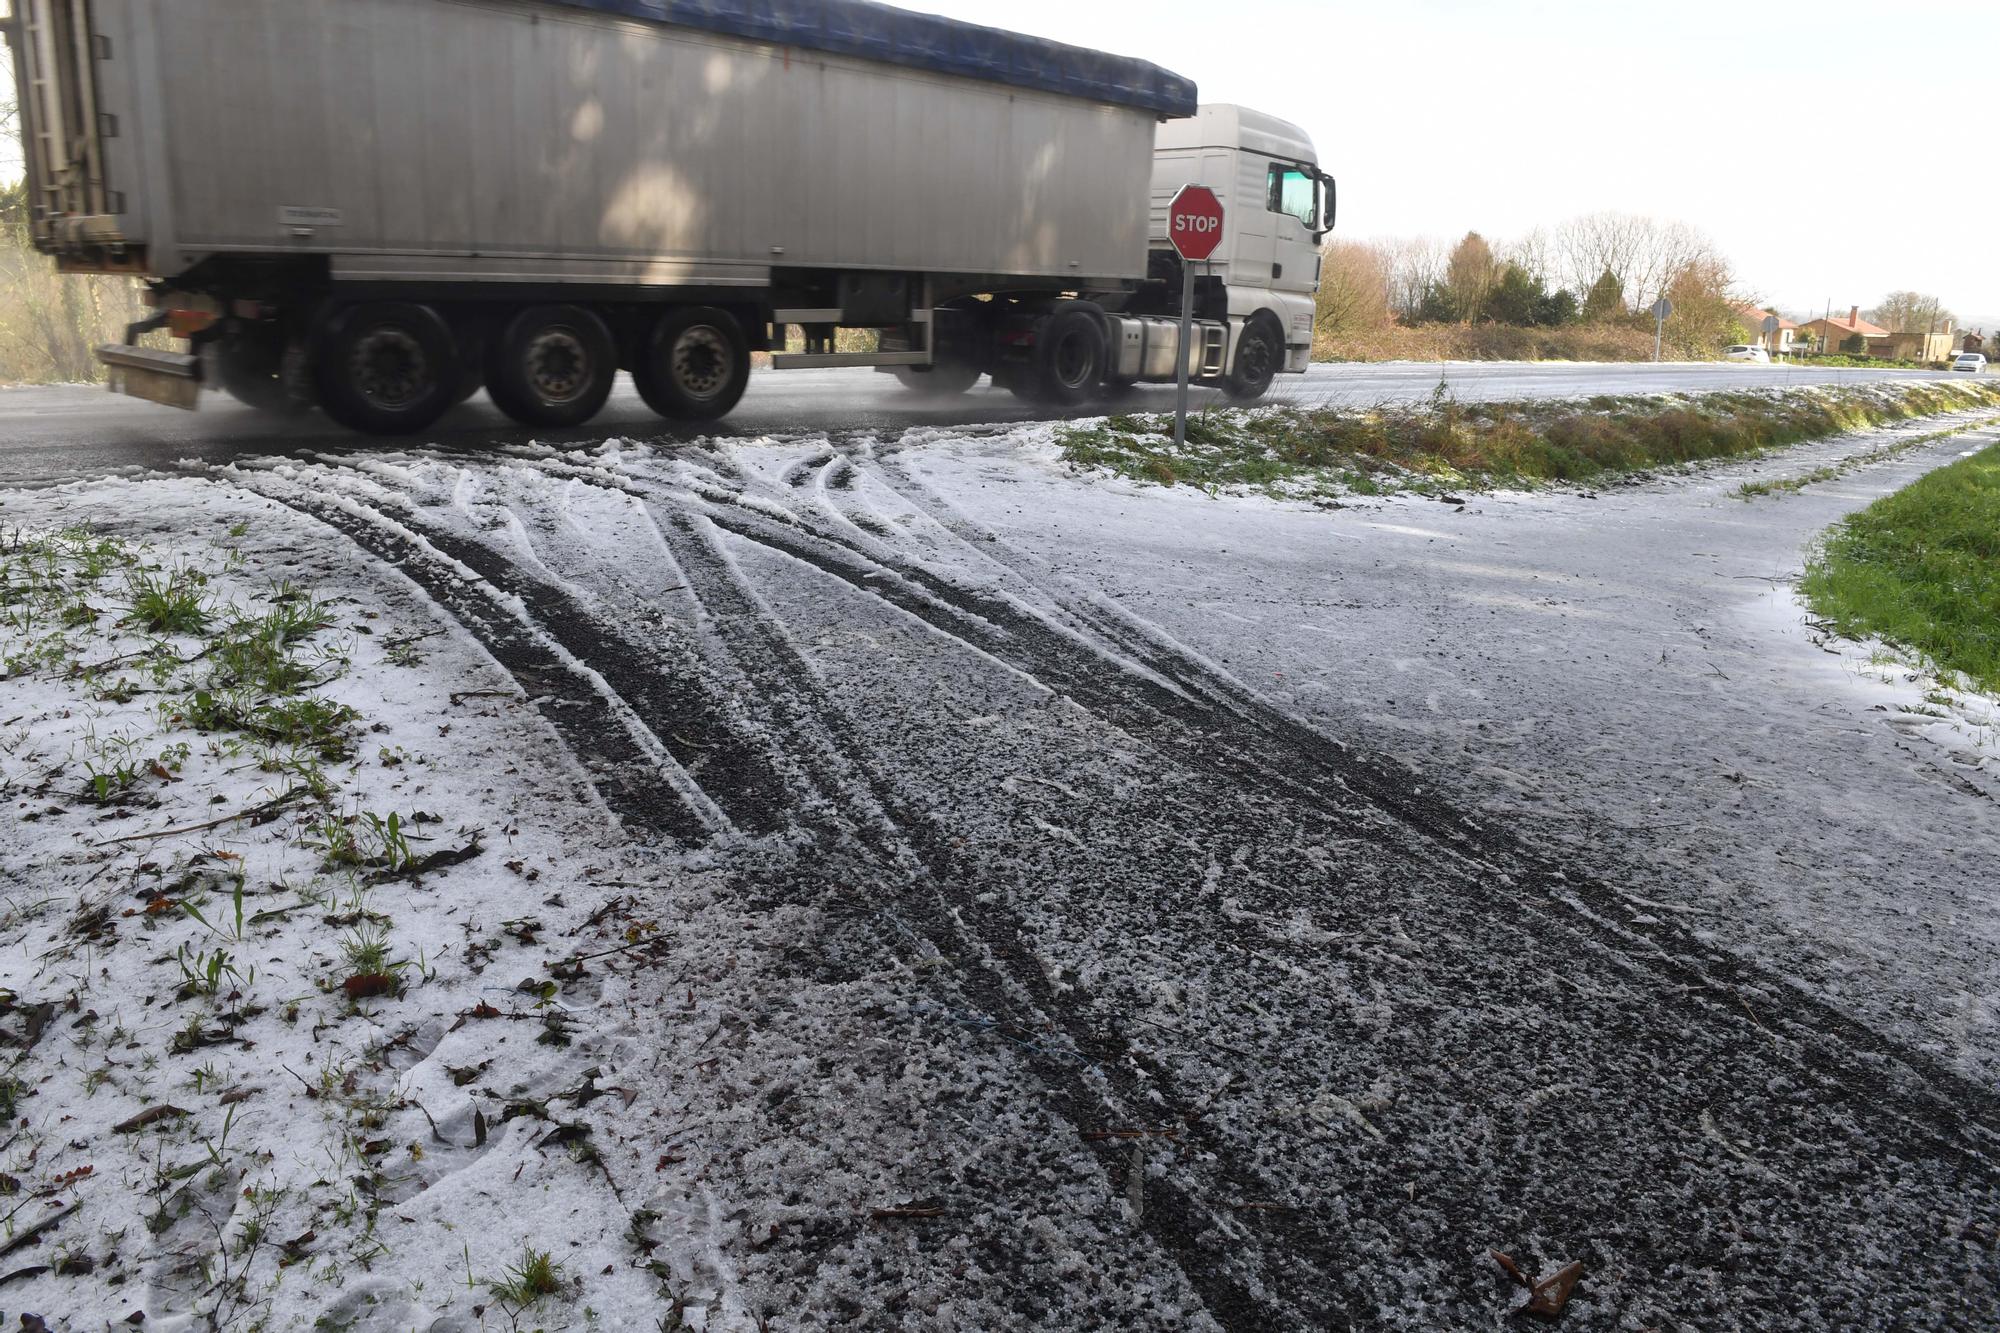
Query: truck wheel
251, 369
946, 379
1070, 352
386, 368
1258, 356
695, 366
553, 365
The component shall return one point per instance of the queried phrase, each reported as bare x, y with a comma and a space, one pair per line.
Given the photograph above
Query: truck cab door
1292, 200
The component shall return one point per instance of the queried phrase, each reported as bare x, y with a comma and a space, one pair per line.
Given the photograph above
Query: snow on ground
241, 1138
907, 898
586, 1052
1626, 671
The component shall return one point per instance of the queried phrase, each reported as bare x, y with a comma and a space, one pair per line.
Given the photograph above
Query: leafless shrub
1355, 280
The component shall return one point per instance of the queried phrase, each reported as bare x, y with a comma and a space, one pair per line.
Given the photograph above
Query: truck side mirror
1328, 202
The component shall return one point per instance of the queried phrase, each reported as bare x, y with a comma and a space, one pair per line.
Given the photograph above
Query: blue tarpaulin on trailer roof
924, 41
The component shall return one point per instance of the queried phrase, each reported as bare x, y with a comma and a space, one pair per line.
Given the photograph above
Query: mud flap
172, 378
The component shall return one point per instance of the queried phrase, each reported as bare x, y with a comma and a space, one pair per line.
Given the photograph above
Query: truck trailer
378, 206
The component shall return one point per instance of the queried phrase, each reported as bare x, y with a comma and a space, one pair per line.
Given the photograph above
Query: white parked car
1757, 354
1972, 363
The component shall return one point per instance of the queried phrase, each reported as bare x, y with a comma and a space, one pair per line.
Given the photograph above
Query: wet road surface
66, 431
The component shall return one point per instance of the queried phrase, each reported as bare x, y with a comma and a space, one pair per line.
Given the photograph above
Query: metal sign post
1187, 343
1194, 227
1661, 309
1771, 326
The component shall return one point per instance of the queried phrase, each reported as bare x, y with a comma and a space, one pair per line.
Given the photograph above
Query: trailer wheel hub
558, 365
701, 362
1075, 362
387, 367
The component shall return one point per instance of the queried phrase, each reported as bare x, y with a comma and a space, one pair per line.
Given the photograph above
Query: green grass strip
1920, 570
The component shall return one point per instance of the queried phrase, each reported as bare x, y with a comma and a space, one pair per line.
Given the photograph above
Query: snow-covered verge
299, 1021
1326, 453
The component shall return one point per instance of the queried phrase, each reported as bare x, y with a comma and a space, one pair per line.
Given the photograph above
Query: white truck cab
1277, 207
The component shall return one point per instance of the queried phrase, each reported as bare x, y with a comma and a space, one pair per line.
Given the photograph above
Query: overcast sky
1837, 149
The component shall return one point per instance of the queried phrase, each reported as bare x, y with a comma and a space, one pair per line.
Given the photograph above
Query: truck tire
1259, 354
250, 367
695, 365
386, 368
1070, 355
946, 379
553, 365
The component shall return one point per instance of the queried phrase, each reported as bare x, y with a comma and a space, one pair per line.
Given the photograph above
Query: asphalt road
67, 431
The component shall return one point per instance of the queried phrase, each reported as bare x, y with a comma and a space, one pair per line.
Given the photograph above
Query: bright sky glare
1837, 150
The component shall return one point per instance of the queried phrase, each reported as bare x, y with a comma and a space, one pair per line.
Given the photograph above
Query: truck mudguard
924, 41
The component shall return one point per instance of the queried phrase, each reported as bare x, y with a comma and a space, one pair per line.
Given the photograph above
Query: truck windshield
1295, 191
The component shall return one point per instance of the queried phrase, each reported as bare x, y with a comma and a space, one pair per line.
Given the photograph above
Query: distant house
1912, 346
1779, 343
1832, 334
1973, 341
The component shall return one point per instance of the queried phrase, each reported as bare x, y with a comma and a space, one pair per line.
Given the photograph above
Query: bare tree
1417, 265
1594, 244
1644, 254
1667, 250
1912, 312
1534, 253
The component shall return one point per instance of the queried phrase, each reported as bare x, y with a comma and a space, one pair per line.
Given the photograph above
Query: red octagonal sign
1194, 222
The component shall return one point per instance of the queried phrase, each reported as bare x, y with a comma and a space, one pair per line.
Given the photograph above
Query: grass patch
1752, 490
167, 601
537, 1277
1920, 569
1444, 444
99, 611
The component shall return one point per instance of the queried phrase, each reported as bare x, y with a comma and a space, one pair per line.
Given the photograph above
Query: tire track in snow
640, 773
1008, 985
1211, 724
1708, 992
877, 820
1294, 750
1236, 735
1088, 651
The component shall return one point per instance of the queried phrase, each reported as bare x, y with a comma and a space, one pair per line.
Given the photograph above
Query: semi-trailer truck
377, 206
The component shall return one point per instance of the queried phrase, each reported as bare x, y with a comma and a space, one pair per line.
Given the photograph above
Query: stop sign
1194, 222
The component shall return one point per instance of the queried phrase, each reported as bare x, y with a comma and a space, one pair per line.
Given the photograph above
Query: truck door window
1294, 191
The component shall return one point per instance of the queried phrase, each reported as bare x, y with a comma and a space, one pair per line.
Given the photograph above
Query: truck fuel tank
1144, 347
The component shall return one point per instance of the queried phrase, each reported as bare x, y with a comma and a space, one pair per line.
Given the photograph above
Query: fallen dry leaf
1547, 1297
1552, 1293
1511, 1269
151, 1115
